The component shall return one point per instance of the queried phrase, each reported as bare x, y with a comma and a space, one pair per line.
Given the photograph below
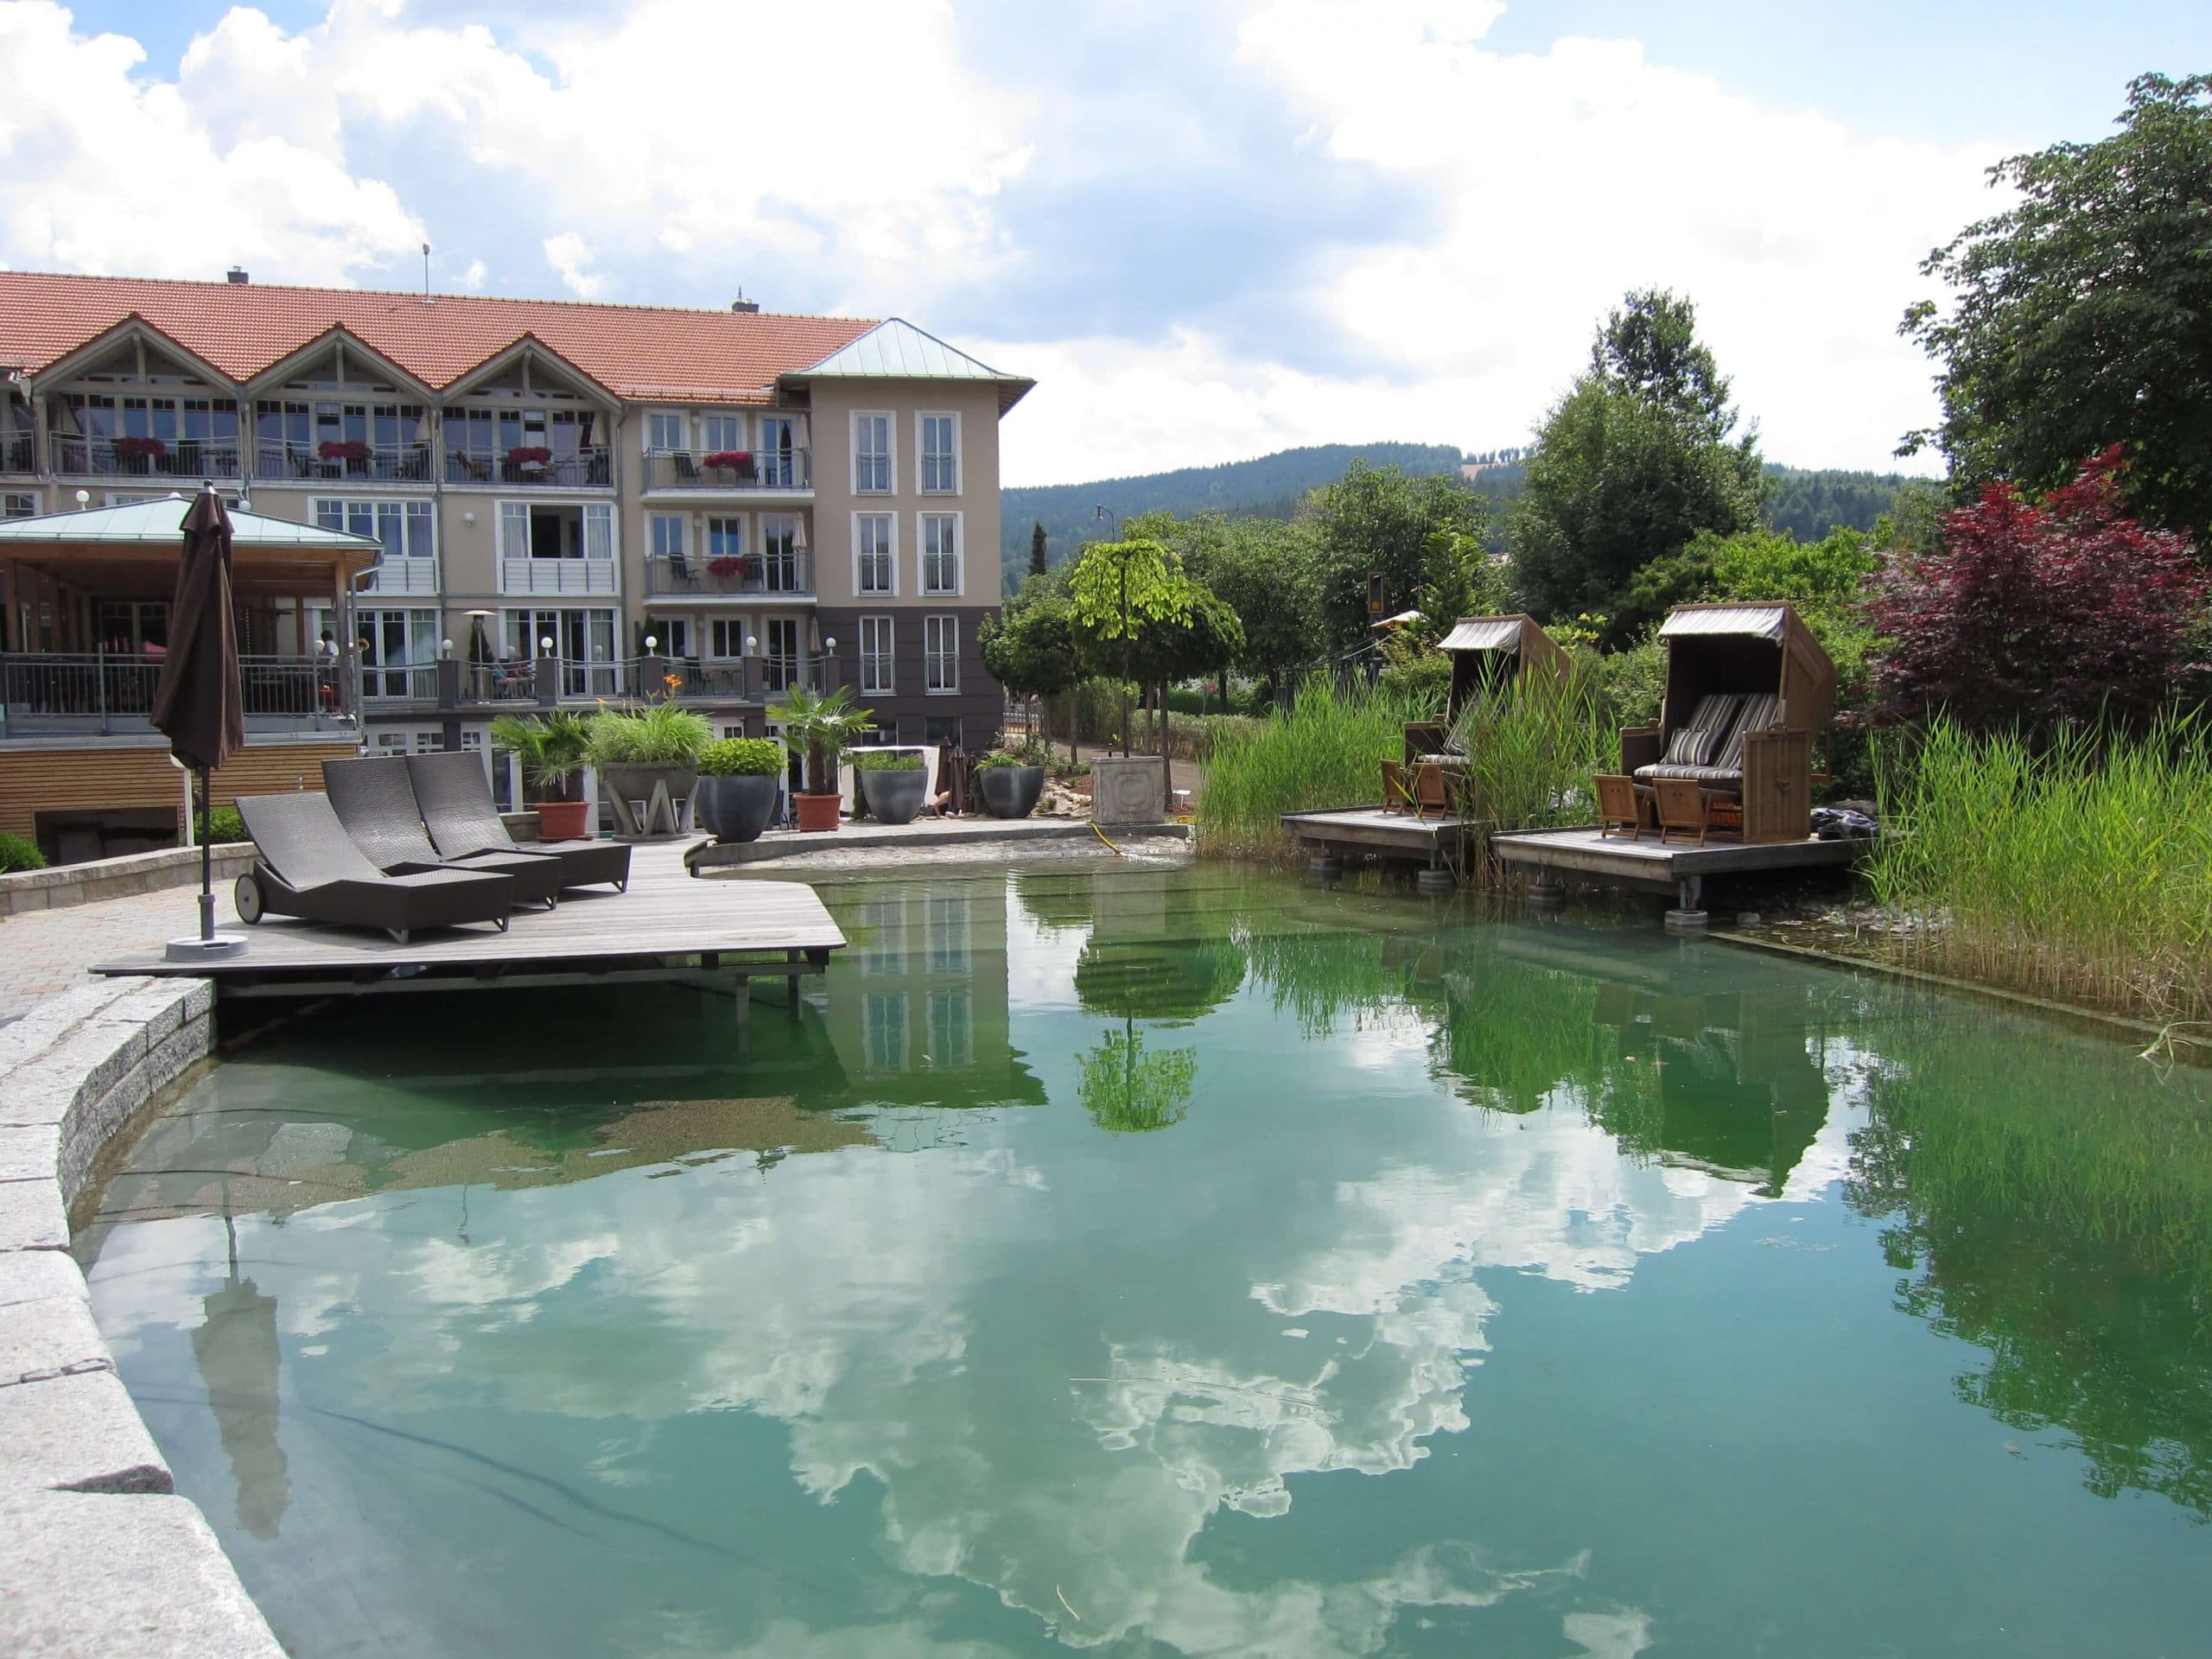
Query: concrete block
86, 1575
1131, 789
54, 1336
77, 1434
32, 1217
29, 1152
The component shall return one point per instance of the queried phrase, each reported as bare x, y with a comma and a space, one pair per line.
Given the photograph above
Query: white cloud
569, 254
473, 278
100, 170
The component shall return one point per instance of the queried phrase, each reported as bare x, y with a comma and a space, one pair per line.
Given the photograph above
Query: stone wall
118, 878
98, 1555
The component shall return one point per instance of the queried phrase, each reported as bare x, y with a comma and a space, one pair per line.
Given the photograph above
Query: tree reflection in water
1129, 1091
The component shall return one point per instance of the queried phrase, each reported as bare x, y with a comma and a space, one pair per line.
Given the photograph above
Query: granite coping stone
79, 1433
32, 1217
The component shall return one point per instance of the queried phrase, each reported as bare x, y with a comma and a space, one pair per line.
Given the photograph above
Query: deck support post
1325, 864
1434, 881
744, 1018
1546, 892
1689, 916
791, 980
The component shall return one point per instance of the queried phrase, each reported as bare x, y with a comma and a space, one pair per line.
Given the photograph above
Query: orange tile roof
241, 328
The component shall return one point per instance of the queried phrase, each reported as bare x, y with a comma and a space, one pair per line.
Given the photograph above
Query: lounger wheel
247, 895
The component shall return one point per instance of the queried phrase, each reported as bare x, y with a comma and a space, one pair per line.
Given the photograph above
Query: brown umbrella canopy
199, 703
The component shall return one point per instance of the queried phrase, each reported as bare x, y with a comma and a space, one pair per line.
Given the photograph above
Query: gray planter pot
640, 814
894, 796
1010, 792
737, 808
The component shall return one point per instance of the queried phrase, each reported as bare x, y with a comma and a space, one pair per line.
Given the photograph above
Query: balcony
417, 578
353, 463
524, 574
779, 575
16, 455
587, 469
769, 472
399, 685
102, 694
186, 457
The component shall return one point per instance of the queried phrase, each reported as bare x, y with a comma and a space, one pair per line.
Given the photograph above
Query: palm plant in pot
1010, 778
821, 727
552, 749
738, 782
893, 781
641, 753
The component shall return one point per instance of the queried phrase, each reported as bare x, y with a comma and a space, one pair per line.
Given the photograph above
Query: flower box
727, 566
140, 449
529, 455
350, 449
737, 460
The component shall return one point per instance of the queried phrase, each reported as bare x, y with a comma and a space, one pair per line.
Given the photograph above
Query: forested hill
1269, 487
1807, 502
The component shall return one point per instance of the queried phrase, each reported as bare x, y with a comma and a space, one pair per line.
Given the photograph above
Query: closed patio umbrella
198, 702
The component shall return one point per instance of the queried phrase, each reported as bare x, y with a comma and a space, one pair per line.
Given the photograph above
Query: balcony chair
463, 822
376, 806
305, 866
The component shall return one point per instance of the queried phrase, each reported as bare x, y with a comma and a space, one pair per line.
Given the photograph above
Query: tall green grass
1325, 750
1531, 757
2080, 871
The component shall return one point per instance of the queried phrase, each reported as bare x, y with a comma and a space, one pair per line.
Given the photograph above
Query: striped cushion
1696, 743
1759, 713
1718, 777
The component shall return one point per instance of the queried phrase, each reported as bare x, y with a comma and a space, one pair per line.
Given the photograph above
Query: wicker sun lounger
376, 804
457, 808
307, 868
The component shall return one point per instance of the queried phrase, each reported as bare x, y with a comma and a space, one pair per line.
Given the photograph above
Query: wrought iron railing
191, 458
368, 463
16, 454
765, 469
400, 683
585, 469
106, 693
753, 575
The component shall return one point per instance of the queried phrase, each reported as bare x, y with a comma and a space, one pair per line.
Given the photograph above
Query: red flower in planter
140, 449
528, 453
738, 460
728, 566
351, 449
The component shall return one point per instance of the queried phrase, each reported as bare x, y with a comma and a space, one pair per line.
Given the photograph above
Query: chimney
741, 304
236, 274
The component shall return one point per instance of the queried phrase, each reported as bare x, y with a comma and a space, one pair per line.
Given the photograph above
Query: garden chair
458, 810
304, 866
1619, 807
1679, 804
376, 806
1397, 793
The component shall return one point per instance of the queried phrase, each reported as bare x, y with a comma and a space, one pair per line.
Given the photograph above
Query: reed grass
2081, 870
1325, 750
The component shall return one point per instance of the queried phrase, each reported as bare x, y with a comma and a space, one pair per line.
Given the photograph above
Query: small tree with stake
1034, 652
1122, 592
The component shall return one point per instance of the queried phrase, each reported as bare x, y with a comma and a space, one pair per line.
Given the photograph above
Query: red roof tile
635, 351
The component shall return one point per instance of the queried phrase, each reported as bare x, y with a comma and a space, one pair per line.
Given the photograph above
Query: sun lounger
306, 867
457, 809
376, 804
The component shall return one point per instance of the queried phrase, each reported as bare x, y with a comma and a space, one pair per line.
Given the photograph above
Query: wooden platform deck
663, 927
1678, 868
1389, 834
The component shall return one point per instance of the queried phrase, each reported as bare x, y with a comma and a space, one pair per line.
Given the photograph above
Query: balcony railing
778, 574
98, 693
380, 463
416, 576
193, 458
768, 469
586, 469
529, 575
16, 454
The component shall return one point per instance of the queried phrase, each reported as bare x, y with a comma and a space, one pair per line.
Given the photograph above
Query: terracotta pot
819, 812
565, 820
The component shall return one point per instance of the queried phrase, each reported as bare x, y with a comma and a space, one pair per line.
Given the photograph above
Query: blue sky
1210, 227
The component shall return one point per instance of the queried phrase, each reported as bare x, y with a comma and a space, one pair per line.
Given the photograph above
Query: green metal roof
896, 350
160, 522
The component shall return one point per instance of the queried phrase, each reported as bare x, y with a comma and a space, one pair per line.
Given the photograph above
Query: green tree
1631, 463
1034, 651
1264, 570
1120, 592
2083, 315
1379, 522
1038, 562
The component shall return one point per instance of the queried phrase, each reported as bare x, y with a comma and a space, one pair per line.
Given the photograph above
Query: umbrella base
203, 950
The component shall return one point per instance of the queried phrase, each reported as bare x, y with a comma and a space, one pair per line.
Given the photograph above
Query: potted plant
893, 781
1010, 778
641, 751
738, 780
529, 455
821, 728
350, 450
140, 449
551, 747
736, 460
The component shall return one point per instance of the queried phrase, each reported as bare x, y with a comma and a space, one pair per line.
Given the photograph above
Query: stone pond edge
98, 1555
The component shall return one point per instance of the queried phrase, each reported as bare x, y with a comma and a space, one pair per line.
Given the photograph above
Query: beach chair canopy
1747, 649
1487, 651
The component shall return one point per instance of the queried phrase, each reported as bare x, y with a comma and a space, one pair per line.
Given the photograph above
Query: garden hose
1100, 834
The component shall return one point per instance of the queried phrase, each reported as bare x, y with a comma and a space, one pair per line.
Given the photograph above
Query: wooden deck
663, 927
1371, 831
1676, 866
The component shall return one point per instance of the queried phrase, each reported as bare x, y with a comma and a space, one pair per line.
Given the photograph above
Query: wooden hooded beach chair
305, 866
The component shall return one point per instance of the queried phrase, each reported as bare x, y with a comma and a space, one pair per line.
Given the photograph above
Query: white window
782, 655
941, 553
725, 538
783, 569
667, 432
940, 448
948, 932
671, 636
583, 641
668, 530
941, 653
875, 656
875, 553
872, 469
951, 1016
399, 652
404, 527
883, 924
722, 433
599, 530
883, 1015
391, 742
19, 506
728, 635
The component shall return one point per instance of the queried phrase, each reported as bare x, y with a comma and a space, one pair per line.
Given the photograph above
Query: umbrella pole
206, 867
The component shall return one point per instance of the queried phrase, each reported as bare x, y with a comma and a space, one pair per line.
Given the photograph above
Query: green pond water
1188, 1261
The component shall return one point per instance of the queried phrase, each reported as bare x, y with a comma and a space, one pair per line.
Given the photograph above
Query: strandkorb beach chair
305, 866
376, 803
457, 808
